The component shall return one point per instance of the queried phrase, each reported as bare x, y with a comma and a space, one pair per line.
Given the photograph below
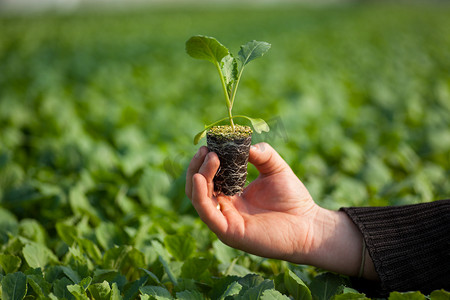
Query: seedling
230, 72
230, 142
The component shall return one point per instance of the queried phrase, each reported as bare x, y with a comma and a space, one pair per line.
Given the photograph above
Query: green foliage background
98, 112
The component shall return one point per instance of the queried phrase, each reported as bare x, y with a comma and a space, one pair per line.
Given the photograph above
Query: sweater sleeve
409, 245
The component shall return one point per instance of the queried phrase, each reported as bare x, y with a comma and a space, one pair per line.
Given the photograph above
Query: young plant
231, 142
230, 70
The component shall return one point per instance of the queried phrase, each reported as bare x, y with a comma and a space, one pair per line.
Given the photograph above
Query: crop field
98, 111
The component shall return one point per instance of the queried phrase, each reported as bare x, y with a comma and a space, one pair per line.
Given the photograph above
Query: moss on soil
226, 132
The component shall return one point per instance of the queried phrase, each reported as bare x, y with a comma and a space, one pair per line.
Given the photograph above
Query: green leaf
259, 125
236, 269
296, 287
221, 285
273, 294
152, 276
111, 276
252, 50
85, 282
77, 254
37, 282
224, 253
250, 280
37, 255
77, 291
350, 296
406, 296
134, 263
188, 284
41, 289
168, 270
8, 224
439, 295
32, 230
108, 235
279, 283
71, 274
100, 291
9, 263
233, 289
115, 257
199, 136
190, 295
180, 246
81, 206
126, 259
14, 286
345, 293
156, 292
66, 232
90, 248
207, 48
255, 292
346, 289
324, 286
132, 289
115, 292
194, 267
229, 69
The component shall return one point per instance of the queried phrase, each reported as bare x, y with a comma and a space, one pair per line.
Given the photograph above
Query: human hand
270, 218
275, 216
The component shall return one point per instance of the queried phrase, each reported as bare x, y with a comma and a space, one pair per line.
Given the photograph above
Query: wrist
339, 244
335, 245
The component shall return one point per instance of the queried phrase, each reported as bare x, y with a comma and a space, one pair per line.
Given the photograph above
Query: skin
275, 216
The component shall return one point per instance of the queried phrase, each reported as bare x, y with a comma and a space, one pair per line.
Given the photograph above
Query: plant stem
221, 120
236, 86
225, 91
230, 117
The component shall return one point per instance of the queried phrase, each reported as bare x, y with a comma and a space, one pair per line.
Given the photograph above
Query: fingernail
206, 158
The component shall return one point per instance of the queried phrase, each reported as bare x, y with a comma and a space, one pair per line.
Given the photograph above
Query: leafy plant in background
184, 264
87, 210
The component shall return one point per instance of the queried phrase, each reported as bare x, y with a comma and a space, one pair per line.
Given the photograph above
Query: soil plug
232, 148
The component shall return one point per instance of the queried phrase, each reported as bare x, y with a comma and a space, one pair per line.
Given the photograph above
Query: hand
271, 216
275, 216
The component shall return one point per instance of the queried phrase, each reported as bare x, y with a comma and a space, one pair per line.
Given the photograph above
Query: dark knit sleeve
409, 245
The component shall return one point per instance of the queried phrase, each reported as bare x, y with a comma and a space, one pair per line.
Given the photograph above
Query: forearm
337, 245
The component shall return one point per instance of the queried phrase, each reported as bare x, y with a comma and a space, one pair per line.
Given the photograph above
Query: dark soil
232, 148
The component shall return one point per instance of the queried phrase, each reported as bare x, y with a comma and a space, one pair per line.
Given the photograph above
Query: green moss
227, 132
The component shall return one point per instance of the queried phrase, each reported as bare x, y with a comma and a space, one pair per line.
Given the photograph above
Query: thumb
266, 159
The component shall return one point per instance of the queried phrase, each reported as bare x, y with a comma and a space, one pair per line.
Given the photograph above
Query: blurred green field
98, 112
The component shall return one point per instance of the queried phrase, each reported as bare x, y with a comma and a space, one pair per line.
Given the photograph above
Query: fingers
208, 170
235, 229
266, 159
205, 206
200, 186
193, 168
224, 220
204, 163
